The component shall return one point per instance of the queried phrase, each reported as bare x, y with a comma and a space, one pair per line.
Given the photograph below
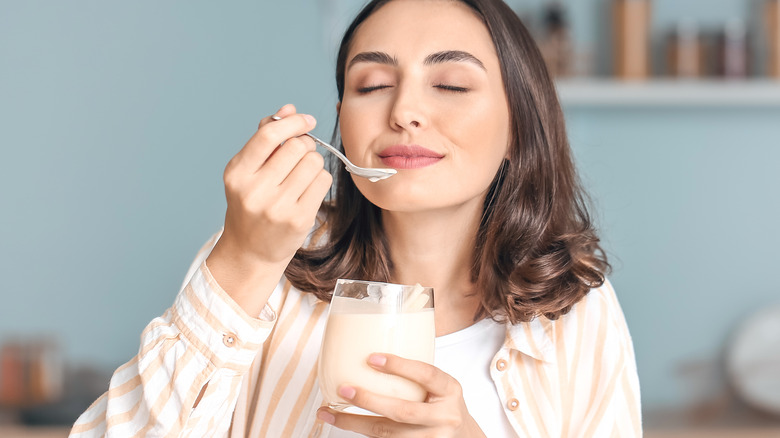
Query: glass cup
367, 317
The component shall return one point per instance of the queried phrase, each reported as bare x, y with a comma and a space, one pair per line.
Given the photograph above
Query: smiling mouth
409, 157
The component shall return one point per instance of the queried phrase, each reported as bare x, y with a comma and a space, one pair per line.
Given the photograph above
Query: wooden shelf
714, 433
9, 431
575, 93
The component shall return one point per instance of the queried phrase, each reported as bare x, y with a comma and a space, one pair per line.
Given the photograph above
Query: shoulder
595, 324
598, 313
602, 303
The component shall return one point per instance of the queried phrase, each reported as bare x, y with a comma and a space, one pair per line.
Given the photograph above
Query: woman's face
423, 94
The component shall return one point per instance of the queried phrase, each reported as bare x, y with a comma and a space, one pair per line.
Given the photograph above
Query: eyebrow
373, 57
433, 58
453, 56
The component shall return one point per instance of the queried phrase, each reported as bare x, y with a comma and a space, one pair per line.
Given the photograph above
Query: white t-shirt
478, 343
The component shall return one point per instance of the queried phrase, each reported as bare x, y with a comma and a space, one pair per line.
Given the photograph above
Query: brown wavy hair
537, 251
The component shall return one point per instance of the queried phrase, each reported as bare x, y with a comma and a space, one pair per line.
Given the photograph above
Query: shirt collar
313, 300
533, 338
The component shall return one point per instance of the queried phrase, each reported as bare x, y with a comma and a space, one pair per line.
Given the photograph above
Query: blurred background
117, 119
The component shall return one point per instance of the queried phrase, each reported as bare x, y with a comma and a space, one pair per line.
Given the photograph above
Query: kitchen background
118, 119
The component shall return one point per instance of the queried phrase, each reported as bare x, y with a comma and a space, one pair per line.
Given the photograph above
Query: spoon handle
332, 149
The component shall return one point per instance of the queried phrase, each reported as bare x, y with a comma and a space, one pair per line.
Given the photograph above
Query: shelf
714, 433
575, 93
11, 431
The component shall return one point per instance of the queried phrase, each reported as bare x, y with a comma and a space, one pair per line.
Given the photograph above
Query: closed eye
452, 88
366, 90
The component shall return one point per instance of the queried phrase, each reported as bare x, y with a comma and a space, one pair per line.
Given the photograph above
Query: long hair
537, 252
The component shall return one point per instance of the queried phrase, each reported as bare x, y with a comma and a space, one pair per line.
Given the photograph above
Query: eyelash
366, 90
452, 88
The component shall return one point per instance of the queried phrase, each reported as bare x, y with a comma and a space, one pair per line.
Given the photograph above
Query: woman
485, 208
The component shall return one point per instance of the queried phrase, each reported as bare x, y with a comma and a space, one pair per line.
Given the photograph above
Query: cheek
496, 132
358, 128
346, 120
483, 121
349, 122
487, 139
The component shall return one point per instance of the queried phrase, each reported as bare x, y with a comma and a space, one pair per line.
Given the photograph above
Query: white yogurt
356, 329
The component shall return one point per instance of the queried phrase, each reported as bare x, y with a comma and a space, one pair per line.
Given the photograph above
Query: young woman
485, 208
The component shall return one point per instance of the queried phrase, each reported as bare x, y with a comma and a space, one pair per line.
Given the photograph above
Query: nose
408, 110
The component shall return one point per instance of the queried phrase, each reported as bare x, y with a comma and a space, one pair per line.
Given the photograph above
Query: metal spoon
373, 174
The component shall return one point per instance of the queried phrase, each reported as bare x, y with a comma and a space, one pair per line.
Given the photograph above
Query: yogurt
356, 329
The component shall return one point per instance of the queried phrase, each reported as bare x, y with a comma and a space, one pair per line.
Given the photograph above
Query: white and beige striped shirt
572, 377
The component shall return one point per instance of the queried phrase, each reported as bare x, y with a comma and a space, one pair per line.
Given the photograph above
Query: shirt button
229, 339
501, 365
513, 404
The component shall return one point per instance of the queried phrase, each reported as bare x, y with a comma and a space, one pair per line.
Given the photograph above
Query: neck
436, 249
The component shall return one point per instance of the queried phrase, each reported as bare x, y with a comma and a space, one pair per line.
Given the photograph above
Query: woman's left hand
442, 414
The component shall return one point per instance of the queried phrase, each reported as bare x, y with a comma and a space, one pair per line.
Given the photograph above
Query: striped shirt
572, 377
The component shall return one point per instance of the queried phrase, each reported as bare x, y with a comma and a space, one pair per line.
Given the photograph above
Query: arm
273, 195
201, 346
186, 376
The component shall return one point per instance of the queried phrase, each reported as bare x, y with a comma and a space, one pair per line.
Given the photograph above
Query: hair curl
537, 251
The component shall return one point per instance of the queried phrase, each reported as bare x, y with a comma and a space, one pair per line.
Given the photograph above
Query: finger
300, 177
310, 201
286, 110
432, 379
257, 150
396, 409
314, 195
368, 425
285, 159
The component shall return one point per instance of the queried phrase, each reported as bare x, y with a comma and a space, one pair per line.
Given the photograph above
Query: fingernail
309, 119
347, 392
326, 417
377, 360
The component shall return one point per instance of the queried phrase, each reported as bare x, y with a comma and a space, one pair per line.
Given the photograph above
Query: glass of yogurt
367, 317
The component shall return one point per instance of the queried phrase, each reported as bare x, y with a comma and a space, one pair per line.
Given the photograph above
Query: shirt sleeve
204, 343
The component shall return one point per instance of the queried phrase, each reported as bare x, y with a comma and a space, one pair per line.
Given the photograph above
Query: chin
397, 195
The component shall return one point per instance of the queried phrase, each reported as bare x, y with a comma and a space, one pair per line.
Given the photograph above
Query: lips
409, 157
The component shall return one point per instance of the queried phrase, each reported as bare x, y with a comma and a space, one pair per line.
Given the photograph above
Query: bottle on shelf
631, 38
684, 51
732, 51
556, 43
772, 24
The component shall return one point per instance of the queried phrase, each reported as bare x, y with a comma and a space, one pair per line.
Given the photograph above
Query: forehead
417, 28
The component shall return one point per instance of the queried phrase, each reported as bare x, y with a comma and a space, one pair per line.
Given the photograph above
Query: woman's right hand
274, 187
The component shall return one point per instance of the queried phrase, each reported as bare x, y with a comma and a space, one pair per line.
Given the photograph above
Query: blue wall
117, 121
688, 202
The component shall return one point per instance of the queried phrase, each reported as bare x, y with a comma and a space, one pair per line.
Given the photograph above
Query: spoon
373, 174
415, 300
